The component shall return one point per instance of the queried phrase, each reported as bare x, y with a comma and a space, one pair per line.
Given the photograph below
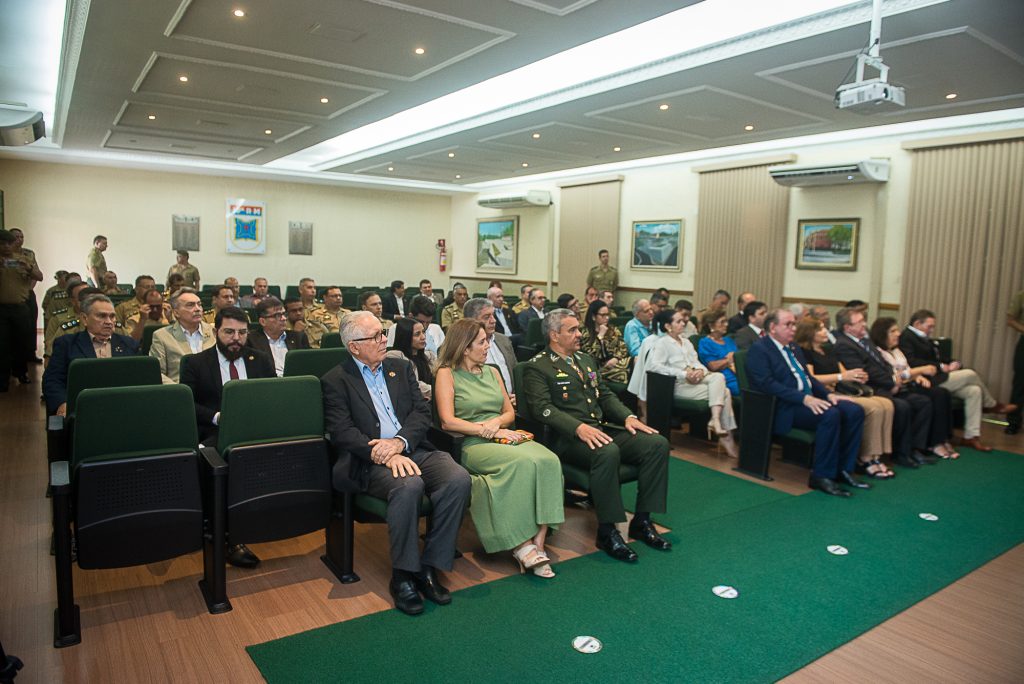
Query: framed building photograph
827, 244
497, 244
657, 245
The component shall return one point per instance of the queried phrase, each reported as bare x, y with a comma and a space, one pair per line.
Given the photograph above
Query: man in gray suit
188, 335
753, 314
501, 353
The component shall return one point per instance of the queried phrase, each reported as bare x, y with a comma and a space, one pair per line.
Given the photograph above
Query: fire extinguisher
442, 257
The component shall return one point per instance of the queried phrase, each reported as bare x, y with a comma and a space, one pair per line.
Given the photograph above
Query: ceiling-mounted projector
20, 126
865, 96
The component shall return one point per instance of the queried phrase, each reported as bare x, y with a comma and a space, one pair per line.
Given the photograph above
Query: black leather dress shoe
431, 588
645, 532
615, 547
1012, 429
906, 461
925, 459
826, 485
407, 599
240, 556
848, 479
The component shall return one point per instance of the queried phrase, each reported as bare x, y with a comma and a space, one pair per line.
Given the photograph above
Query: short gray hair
476, 306
638, 304
798, 309
494, 290
180, 291
552, 321
88, 302
772, 318
351, 324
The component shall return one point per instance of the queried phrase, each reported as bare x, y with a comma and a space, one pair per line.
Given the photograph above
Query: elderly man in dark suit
500, 353
775, 366
913, 412
275, 339
377, 422
98, 340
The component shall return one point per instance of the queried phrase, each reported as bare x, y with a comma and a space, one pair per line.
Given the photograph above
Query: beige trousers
878, 416
968, 386
712, 389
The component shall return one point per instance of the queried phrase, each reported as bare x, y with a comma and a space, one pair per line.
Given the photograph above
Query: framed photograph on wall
497, 244
657, 245
827, 244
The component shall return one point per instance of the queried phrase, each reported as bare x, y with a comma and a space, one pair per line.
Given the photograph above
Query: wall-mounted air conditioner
530, 198
867, 171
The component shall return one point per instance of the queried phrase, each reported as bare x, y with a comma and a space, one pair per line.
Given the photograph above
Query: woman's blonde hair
456, 341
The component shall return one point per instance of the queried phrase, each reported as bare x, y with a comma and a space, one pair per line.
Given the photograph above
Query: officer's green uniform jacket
555, 394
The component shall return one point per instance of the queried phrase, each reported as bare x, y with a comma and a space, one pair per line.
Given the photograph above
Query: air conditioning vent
868, 171
530, 198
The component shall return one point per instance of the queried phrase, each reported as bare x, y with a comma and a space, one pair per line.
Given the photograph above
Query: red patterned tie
232, 371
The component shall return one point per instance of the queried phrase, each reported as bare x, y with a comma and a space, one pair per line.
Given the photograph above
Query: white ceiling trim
560, 12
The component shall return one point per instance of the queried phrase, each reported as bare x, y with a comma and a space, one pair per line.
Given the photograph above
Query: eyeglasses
277, 314
375, 338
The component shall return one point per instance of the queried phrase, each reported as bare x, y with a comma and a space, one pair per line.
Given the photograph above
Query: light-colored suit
169, 345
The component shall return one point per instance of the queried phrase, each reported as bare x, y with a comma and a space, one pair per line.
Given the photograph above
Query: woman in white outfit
673, 355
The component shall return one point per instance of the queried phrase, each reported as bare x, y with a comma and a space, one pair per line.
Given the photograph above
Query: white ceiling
269, 70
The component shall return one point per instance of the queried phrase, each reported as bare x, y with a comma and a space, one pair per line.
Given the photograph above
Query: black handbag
852, 388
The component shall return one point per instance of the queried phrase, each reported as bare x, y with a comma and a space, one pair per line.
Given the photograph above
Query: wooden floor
150, 623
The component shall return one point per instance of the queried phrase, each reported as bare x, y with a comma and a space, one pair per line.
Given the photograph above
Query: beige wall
360, 237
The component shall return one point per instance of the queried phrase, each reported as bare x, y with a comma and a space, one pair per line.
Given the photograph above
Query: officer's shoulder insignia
60, 295
68, 325
57, 312
546, 412
537, 357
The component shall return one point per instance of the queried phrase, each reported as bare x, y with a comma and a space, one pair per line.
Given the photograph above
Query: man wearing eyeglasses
275, 339
190, 334
377, 421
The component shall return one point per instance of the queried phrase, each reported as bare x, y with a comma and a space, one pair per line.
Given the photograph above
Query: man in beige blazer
188, 335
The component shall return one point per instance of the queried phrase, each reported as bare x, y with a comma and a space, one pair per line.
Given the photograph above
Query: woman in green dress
517, 483
604, 342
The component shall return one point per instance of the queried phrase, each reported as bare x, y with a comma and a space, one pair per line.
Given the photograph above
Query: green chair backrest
315, 362
118, 371
534, 333
274, 290
150, 420
244, 290
695, 340
291, 291
331, 340
147, 337
740, 359
269, 410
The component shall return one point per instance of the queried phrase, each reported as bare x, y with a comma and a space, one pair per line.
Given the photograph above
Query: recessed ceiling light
616, 149
451, 155
663, 107
748, 127
183, 78
536, 135
419, 51
391, 168
324, 100
239, 13
268, 131
458, 176
951, 96
525, 165
151, 117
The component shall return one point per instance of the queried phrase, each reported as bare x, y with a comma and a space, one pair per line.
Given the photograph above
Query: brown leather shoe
975, 443
1002, 409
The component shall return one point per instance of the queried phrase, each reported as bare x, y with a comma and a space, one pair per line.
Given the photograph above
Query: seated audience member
450, 297
719, 302
370, 301
753, 314
673, 355
589, 295
777, 368
495, 283
423, 310
820, 313
533, 312
321, 320
913, 418
607, 296
66, 319
856, 305
740, 321
189, 334
223, 297
207, 373
175, 282
155, 311
502, 314
500, 352
920, 349
377, 421
718, 352
685, 307
639, 327
517, 483
393, 302
411, 344
307, 294
453, 312
232, 282
798, 310
885, 335
427, 290
811, 336
127, 308
524, 302
110, 284
595, 431
604, 342
275, 340
658, 303
569, 301
98, 340
56, 296
296, 315
260, 291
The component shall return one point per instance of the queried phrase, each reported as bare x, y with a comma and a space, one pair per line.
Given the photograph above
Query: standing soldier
189, 272
603, 276
33, 308
95, 262
16, 281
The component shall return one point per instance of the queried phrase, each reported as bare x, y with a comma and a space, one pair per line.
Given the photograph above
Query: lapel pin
391, 374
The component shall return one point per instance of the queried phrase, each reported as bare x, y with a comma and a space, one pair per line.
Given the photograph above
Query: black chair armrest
213, 460
450, 442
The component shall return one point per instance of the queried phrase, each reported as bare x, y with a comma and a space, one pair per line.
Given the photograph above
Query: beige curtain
965, 250
588, 222
741, 235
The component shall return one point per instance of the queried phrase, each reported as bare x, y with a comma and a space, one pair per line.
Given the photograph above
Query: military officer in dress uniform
55, 297
325, 319
130, 307
307, 294
453, 312
65, 314
603, 276
563, 389
223, 297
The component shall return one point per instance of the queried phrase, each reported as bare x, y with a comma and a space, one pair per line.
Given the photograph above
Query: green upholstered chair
147, 338
315, 362
331, 340
134, 495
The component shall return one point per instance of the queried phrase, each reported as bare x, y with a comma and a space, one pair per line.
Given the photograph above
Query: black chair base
338, 572
214, 604
67, 637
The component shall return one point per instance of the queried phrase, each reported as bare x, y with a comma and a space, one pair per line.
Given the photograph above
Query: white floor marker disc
837, 550
725, 591
586, 644
930, 517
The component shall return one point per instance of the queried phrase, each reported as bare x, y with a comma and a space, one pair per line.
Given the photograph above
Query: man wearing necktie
776, 367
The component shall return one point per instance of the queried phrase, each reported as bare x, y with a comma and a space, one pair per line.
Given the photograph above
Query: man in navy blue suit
775, 366
98, 340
